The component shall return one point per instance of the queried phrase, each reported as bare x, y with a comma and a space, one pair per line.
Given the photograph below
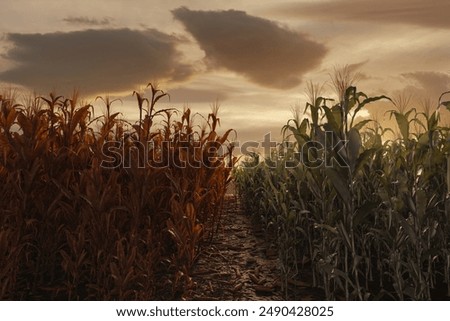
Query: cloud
430, 83
188, 95
256, 48
94, 61
88, 21
432, 14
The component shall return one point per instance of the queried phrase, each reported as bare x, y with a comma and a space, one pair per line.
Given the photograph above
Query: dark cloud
94, 61
433, 14
429, 83
88, 21
259, 49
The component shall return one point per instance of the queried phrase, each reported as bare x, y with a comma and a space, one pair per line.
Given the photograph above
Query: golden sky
253, 56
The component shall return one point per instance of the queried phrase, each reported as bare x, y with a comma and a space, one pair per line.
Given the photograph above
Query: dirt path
239, 264
242, 264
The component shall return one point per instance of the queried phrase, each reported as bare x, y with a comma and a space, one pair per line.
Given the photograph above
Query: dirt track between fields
242, 263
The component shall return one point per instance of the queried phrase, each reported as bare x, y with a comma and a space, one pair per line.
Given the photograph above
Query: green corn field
366, 217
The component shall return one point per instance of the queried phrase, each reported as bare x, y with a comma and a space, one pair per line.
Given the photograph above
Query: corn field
97, 208
367, 217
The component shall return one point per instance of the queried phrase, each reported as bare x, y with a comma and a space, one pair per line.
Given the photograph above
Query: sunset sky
253, 56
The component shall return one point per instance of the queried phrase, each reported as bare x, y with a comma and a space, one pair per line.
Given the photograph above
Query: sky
253, 57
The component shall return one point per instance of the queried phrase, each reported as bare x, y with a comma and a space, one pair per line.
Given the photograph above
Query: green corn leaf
366, 101
403, 124
343, 232
421, 203
409, 230
364, 158
331, 118
434, 120
361, 124
353, 147
339, 183
446, 104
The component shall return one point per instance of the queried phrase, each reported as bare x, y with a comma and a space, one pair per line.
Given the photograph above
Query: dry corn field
98, 208
80, 223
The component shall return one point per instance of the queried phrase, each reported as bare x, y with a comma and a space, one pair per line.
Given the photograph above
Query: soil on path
241, 263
